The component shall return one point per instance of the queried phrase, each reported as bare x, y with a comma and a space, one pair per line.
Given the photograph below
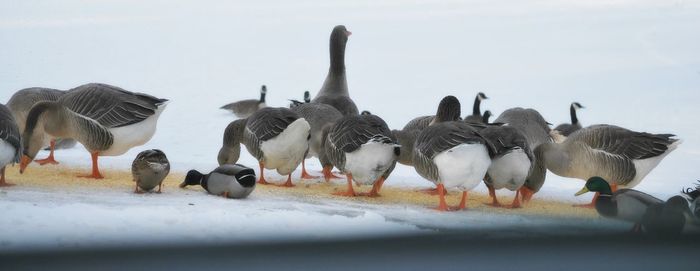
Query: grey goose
334, 91
319, 116
10, 143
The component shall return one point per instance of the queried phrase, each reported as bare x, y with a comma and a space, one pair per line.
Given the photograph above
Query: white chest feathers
370, 161
137, 134
285, 151
7, 153
463, 166
510, 170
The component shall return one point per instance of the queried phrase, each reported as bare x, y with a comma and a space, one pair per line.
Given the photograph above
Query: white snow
631, 63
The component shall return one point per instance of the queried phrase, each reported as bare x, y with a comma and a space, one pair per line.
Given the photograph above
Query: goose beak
24, 163
583, 190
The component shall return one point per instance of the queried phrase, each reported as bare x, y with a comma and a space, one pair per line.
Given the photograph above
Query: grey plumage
566, 129
9, 134
230, 180
507, 140
476, 116
626, 204
245, 108
149, 169
319, 116
334, 91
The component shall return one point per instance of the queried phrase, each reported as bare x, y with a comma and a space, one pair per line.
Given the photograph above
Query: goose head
595, 184
486, 116
576, 105
263, 92
481, 96
339, 38
448, 110
307, 97
34, 134
365, 113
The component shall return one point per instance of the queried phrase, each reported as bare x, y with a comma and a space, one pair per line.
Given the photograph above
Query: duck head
595, 184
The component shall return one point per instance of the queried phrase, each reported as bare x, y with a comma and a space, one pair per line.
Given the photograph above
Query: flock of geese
513, 152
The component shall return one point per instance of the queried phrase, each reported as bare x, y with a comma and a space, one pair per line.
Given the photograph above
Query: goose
486, 117
277, 137
667, 218
10, 143
511, 162
452, 154
149, 169
566, 129
245, 108
334, 91
22, 101
624, 204
230, 181
319, 116
618, 155
295, 103
476, 116
106, 119
363, 148
536, 131
693, 196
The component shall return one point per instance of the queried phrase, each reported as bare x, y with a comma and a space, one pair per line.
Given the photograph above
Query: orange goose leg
328, 175
526, 193
3, 183
50, 159
351, 191
305, 174
95, 169
492, 194
288, 183
516, 201
375, 188
443, 204
262, 175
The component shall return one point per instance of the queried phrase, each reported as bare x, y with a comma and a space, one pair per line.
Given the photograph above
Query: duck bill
583, 190
23, 163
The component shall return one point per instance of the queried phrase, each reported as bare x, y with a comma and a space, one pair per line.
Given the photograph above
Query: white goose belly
510, 170
463, 166
7, 153
370, 161
133, 135
285, 151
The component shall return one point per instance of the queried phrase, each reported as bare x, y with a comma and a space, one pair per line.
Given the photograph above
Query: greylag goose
277, 137
229, 181
566, 129
618, 155
536, 131
363, 148
319, 116
245, 108
476, 116
10, 143
624, 204
22, 101
149, 169
511, 162
106, 119
334, 91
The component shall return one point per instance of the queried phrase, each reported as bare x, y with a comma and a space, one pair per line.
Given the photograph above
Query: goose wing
623, 142
9, 131
353, 132
110, 106
264, 125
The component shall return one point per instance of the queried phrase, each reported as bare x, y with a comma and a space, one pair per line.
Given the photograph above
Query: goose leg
351, 191
305, 174
516, 200
375, 188
527, 194
3, 183
50, 159
262, 176
328, 175
136, 188
443, 204
288, 183
95, 169
160, 187
430, 191
463, 202
492, 194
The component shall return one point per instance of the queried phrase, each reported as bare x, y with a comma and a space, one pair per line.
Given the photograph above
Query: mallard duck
511, 162
624, 204
245, 108
10, 147
363, 148
22, 101
319, 116
106, 119
618, 155
149, 169
334, 91
277, 137
476, 116
566, 129
536, 131
229, 181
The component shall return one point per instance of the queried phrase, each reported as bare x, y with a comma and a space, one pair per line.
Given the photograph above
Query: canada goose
511, 162
106, 119
149, 169
363, 148
536, 131
476, 116
10, 143
277, 137
334, 91
230, 181
245, 108
625, 204
485, 118
295, 103
22, 101
618, 155
566, 129
319, 116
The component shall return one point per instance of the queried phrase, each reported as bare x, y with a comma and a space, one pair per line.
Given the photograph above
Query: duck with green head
624, 204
